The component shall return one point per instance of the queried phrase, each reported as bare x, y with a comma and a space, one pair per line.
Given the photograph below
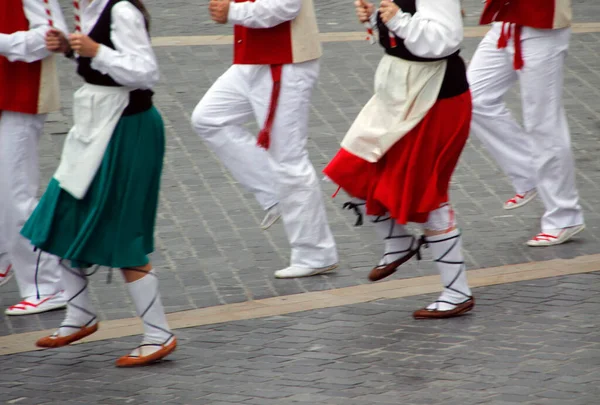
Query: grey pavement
533, 343
210, 249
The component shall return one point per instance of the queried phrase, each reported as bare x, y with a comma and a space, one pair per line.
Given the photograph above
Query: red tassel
264, 137
504, 36
336, 192
518, 62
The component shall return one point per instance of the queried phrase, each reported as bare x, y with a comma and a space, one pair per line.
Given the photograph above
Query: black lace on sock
416, 251
84, 276
356, 207
37, 270
461, 265
143, 314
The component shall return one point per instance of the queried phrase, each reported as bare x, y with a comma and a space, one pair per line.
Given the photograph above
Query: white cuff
102, 58
398, 23
236, 12
4, 44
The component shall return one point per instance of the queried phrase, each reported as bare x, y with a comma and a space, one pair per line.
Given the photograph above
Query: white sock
146, 298
398, 241
447, 253
80, 311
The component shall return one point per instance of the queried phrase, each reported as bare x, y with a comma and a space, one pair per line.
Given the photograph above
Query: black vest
455, 79
139, 100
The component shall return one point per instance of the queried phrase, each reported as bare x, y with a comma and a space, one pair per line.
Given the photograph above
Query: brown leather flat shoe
382, 271
60, 341
133, 361
460, 309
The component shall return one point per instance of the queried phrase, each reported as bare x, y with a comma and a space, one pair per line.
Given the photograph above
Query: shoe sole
36, 310
451, 314
316, 273
558, 242
269, 224
127, 362
522, 203
54, 343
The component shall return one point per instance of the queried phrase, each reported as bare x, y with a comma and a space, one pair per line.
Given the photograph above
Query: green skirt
113, 225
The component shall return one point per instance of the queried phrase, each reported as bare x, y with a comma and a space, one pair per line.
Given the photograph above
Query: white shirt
132, 63
30, 46
434, 31
263, 13
98, 109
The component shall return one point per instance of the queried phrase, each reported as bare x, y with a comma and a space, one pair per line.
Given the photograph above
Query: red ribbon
505, 34
264, 137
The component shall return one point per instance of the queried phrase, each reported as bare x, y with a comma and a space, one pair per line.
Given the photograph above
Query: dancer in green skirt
100, 206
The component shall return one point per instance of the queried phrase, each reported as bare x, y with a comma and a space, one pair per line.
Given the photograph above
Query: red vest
289, 42
19, 81
542, 14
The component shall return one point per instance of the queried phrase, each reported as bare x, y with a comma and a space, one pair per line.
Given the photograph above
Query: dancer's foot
147, 353
555, 236
520, 200
34, 305
296, 272
390, 261
444, 309
271, 217
57, 340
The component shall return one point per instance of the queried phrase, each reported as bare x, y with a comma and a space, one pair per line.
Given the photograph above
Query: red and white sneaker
520, 200
6, 274
555, 237
32, 305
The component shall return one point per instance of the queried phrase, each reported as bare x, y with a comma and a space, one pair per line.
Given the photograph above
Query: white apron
405, 91
96, 112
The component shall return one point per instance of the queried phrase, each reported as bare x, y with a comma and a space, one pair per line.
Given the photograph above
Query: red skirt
413, 177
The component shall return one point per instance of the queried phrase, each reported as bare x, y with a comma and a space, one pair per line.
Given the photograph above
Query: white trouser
538, 155
284, 173
19, 182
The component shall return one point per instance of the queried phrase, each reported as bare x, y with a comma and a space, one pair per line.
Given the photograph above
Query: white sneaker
271, 217
520, 200
556, 236
32, 305
6, 273
296, 272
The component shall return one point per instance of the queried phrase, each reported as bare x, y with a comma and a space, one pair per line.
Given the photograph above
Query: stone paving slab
534, 343
210, 250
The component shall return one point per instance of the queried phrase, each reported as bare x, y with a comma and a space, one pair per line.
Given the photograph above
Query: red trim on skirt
413, 177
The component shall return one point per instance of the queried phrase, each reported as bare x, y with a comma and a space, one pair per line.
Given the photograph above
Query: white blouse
263, 13
434, 31
132, 63
30, 46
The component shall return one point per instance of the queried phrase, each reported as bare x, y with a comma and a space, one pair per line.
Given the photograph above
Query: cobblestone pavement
210, 249
535, 343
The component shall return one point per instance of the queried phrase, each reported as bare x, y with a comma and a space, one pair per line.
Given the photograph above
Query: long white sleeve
434, 31
263, 13
132, 63
30, 46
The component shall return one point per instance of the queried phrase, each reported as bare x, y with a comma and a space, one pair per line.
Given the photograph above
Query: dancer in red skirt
397, 158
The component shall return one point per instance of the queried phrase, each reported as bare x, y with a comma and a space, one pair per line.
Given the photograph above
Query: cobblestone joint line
24, 342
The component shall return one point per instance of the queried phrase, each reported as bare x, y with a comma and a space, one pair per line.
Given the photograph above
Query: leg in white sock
398, 241
80, 320
158, 341
400, 245
445, 242
80, 311
447, 253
